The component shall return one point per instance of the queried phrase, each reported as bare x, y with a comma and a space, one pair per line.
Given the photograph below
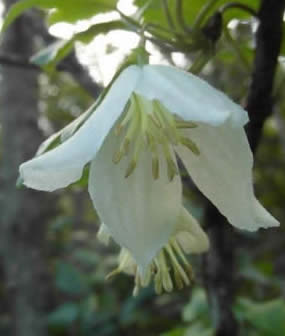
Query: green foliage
74, 10
70, 280
152, 10
63, 10
266, 317
48, 57
52, 54
63, 316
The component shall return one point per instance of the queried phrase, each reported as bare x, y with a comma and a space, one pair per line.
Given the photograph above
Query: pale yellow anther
185, 124
190, 145
130, 169
117, 157
155, 167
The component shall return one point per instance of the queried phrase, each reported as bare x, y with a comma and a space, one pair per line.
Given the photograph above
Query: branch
69, 64
268, 41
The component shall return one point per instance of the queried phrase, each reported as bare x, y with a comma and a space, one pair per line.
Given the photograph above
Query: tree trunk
24, 213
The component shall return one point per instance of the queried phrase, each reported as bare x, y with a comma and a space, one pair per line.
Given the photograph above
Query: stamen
133, 163
146, 279
185, 124
117, 157
137, 283
147, 124
176, 265
164, 272
165, 269
180, 253
155, 167
158, 283
171, 166
190, 145
178, 279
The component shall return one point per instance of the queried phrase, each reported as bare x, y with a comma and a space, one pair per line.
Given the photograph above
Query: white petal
223, 172
188, 96
190, 235
63, 165
140, 213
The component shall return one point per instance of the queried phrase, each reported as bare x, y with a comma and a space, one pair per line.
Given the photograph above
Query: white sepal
223, 173
189, 96
140, 213
64, 164
190, 235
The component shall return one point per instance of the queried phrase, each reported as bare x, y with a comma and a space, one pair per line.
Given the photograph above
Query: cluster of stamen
170, 269
148, 124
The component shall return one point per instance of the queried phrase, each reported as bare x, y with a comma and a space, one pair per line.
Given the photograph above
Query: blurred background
52, 267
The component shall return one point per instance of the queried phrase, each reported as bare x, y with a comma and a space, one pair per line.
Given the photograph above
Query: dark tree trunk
219, 263
24, 213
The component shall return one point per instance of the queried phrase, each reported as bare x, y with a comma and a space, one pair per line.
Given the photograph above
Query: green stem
203, 14
180, 17
201, 60
240, 6
168, 14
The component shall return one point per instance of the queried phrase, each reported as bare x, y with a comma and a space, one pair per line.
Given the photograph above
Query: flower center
168, 270
148, 124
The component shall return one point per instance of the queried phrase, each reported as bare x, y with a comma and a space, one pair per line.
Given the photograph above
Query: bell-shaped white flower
150, 114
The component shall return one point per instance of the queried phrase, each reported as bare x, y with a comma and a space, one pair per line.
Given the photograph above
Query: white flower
149, 114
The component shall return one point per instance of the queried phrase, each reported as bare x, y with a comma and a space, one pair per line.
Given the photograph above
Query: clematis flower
149, 115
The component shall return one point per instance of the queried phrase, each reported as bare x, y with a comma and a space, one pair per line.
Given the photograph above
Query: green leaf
19, 7
197, 308
61, 223
49, 56
64, 315
267, 317
64, 10
153, 11
52, 54
70, 280
198, 329
87, 257
99, 28
74, 10
175, 332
